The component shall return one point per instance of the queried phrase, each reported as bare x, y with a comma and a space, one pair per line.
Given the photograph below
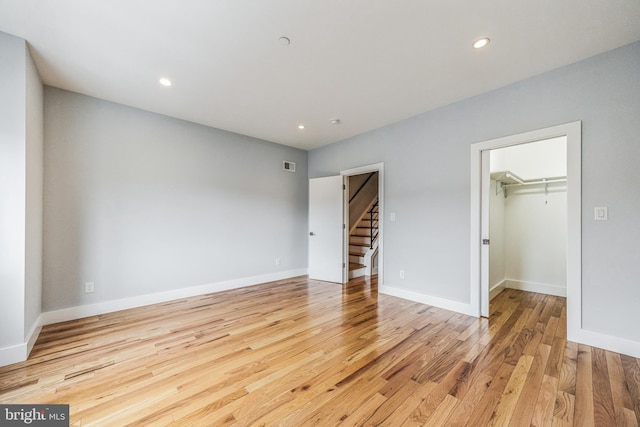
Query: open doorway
480, 238
363, 224
330, 227
528, 217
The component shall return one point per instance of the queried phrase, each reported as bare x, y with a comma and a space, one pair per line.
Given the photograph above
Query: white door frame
573, 133
376, 167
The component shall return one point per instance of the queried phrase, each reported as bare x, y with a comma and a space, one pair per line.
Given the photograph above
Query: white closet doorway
532, 199
528, 217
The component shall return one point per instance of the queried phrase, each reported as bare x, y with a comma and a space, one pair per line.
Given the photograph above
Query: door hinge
344, 265
485, 241
344, 226
344, 187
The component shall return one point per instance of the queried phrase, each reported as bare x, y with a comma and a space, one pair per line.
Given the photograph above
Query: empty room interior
332, 213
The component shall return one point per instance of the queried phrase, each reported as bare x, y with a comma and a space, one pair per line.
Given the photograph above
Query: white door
485, 185
326, 229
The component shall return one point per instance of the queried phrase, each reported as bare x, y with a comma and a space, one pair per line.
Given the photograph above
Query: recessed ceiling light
334, 121
284, 41
300, 126
480, 43
165, 82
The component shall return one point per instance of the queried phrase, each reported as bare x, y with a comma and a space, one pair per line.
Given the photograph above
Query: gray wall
427, 181
21, 147
141, 203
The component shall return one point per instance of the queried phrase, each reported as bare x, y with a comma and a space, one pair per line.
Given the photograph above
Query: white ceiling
367, 62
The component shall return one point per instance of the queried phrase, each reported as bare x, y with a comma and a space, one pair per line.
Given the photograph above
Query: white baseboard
447, 304
583, 336
33, 335
78, 312
20, 352
496, 289
607, 342
542, 288
13, 354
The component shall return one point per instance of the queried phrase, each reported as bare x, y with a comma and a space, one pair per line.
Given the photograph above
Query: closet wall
528, 227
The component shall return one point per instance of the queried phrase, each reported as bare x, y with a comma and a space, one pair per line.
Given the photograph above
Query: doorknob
312, 234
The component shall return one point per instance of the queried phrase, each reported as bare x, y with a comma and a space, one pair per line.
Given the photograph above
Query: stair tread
359, 244
355, 266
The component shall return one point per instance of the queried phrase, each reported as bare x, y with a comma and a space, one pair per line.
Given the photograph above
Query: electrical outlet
277, 261
89, 287
402, 274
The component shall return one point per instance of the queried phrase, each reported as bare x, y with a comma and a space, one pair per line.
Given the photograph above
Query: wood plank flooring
299, 352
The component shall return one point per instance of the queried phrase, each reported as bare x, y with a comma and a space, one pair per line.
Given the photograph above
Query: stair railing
361, 187
373, 232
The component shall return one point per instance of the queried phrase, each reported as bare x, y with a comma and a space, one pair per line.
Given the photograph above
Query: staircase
363, 243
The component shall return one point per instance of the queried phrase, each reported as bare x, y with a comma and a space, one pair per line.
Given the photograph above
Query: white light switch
392, 216
601, 214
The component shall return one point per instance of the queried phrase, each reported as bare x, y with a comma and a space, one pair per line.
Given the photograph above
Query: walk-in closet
528, 218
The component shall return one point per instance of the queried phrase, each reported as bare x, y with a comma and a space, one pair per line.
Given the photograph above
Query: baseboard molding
13, 354
541, 288
20, 352
495, 290
79, 312
583, 336
32, 337
606, 342
447, 304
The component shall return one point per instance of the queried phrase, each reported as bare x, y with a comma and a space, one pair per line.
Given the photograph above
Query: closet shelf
510, 179
506, 177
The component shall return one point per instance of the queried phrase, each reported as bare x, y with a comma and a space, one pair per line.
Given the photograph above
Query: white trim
475, 169
485, 250
443, 303
574, 228
78, 312
573, 132
20, 352
13, 354
541, 288
496, 289
607, 342
376, 167
32, 337
368, 260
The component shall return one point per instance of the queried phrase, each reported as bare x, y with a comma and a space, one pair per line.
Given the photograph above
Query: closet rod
541, 181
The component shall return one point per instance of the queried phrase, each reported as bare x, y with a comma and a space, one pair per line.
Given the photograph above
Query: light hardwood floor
299, 352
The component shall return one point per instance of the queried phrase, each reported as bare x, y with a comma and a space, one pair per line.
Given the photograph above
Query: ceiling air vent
288, 166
